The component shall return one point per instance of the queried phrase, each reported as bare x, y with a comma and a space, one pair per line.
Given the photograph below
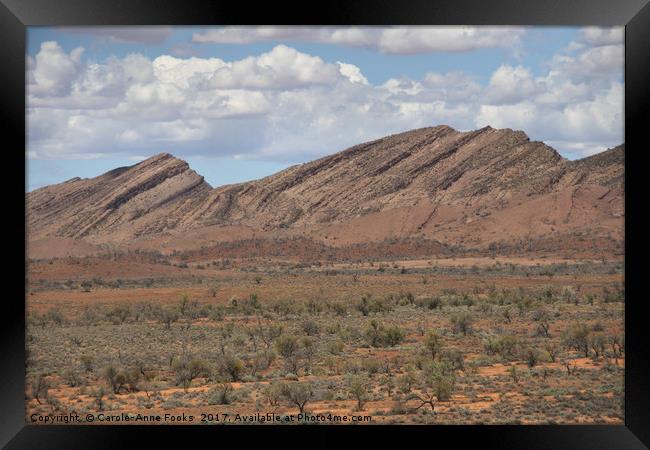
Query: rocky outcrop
461, 188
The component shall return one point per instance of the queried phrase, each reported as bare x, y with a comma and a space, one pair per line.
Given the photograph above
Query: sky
240, 103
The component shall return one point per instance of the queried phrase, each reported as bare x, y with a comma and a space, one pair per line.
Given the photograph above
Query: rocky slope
469, 189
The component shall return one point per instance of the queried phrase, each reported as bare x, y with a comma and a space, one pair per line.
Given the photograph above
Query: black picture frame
16, 15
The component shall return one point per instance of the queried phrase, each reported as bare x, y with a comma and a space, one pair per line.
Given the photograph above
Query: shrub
168, 316
393, 336
310, 328
514, 374
54, 316
232, 367
87, 362
335, 347
462, 323
118, 315
220, 394
428, 302
577, 338
379, 336
505, 346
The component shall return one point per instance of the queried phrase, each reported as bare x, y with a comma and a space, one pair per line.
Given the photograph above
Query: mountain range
485, 190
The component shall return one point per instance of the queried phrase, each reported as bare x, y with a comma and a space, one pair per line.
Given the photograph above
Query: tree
298, 394
389, 383
87, 362
407, 380
436, 384
543, 318
432, 344
552, 350
98, 395
577, 338
309, 350
233, 367
597, 343
71, 377
40, 386
358, 387
514, 374
187, 370
272, 395
287, 346
114, 378
379, 336
168, 316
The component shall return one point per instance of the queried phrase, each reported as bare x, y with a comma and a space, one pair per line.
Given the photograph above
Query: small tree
436, 383
543, 318
114, 378
514, 374
597, 343
432, 344
298, 394
358, 387
577, 338
71, 377
309, 351
87, 362
98, 394
40, 387
187, 370
233, 367
552, 350
168, 316
407, 380
272, 395
571, 367
389, 383
287, 346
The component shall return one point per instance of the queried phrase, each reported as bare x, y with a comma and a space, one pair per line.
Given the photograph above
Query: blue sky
240, 103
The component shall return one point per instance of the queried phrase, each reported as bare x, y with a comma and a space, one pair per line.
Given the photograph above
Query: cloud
352, 73
596, 36
53, 70
598, 122
290, 106
392, 40
510, 85
125, 34
281, 68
